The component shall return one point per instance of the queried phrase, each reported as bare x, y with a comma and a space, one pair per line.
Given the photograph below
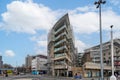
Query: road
38, 77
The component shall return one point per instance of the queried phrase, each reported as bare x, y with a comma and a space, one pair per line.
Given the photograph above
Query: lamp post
112, 56
100, 25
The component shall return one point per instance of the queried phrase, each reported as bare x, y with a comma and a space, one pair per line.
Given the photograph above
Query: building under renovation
61, 49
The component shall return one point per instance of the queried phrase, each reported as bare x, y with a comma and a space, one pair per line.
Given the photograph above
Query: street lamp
112, 56
101, 55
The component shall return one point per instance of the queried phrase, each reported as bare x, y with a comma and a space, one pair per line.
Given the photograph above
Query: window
104, 54
109, 57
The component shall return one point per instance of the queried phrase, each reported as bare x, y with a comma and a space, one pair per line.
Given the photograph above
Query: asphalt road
38, 77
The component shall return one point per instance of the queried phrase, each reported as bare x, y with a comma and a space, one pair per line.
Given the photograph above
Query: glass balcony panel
60, 42
64, 33
60, 29
59, 55
61, 48
60, 67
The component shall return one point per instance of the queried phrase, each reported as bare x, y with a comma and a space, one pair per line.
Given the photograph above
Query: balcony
60, 29
64, 33
117, 58
59, 55
62, 56
60, 66
61, 48
117, 63
60, 42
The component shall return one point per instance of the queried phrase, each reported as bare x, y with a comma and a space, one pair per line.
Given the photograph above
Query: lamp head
104, 2
97, 6
111, 26
96, 3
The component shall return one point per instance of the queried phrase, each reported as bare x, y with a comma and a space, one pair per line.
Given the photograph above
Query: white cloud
82, 9
110, 18
9, 53
39, 37
41, 51
84, 22
40, 43
40, 40
80, 45
28, 17
116, 34
88, 22
1, 24
41, 47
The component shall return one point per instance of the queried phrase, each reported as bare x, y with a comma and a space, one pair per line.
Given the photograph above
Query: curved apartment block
61, 49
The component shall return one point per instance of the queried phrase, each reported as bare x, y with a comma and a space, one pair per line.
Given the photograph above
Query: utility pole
100, 25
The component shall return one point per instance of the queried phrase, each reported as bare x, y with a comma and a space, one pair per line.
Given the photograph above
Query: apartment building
94, 54
79, 60
28, 61
61, 49
1, 62
86, 58
38, 64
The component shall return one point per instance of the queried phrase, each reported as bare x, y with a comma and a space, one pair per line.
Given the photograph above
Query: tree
7, 66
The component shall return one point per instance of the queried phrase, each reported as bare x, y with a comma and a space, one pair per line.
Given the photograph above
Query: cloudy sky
24, 25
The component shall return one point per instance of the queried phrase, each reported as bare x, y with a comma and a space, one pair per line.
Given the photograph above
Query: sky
24, 25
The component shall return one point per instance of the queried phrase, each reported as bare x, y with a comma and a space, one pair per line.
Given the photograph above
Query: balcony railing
64, 33
59, 55
60, 66
61, 48
62, 56
60, 29
60, 42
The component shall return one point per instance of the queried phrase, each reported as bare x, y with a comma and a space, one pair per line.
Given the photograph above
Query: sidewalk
71, 78
95, 79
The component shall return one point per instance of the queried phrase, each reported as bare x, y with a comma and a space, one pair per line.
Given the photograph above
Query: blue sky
24, 25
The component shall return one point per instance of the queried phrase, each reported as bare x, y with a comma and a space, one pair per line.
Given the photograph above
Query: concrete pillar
57, 72
91, 73
67, 73
53, 72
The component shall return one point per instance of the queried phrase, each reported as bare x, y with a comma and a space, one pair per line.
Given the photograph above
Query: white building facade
39, 64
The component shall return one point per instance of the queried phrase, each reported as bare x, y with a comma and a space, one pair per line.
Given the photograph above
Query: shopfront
93, 70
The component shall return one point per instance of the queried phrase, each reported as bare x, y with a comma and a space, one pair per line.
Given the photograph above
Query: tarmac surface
39, 77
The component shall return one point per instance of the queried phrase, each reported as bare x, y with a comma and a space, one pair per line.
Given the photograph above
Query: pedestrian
75, 76
78, 76
6, 74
